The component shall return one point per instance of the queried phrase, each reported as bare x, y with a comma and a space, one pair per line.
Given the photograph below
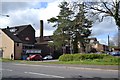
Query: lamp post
5, 15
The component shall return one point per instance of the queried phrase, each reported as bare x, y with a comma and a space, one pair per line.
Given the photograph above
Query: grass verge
86, 62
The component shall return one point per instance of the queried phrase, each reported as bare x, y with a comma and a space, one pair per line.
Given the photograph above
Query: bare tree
102, 9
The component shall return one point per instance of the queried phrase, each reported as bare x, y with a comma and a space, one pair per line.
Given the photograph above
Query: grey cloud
32, 19
24, 13
11, 6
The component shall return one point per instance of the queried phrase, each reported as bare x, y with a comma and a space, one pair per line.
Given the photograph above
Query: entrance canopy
32, 51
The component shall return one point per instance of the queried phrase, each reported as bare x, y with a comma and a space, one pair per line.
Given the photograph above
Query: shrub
111, 59
96, 56
78, 57
66, 57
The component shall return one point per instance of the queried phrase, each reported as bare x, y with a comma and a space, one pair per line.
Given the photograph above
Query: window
27, 38
13, 30
17, 44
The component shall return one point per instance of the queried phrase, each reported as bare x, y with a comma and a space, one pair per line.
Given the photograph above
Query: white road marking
43, 66
20, 64
7, 69
91, 69
44, 74
68, 67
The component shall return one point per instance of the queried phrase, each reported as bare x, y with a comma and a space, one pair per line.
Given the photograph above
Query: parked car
116, 53
48, 57
35, 57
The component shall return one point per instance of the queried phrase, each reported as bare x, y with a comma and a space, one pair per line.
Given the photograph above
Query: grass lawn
89, 62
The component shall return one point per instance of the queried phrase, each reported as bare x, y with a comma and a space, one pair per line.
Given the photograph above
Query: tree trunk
82, 47
75, 45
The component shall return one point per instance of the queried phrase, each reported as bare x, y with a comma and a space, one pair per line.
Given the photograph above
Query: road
16, 70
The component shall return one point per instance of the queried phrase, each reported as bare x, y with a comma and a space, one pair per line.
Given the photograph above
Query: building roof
14, 38
45, 38
95, 39
13, 31
18, 29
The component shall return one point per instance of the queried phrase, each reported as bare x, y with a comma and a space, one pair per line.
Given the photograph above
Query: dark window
17, 44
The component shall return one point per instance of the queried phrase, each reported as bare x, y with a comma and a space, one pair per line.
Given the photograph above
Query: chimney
41, 30
8, 27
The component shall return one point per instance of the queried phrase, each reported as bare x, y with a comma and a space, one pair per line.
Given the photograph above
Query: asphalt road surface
21, 71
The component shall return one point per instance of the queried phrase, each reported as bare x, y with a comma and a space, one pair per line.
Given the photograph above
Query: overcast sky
31, 12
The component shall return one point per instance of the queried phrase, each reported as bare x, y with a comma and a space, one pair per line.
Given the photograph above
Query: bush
66, 57
111, 59
78, 57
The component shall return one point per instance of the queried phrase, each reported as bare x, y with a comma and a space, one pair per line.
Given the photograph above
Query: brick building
20, 41
13, 40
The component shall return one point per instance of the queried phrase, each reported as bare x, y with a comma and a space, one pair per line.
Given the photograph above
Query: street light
5, 15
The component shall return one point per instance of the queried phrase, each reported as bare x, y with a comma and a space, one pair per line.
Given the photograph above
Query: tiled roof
18, 29
14, 38
45, 38
48, 38
92, 39
13, 31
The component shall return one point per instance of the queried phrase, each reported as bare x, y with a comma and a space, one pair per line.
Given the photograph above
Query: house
115, 48
94, 46
20, 41
15, 40
97, 46
10, 45
92, 42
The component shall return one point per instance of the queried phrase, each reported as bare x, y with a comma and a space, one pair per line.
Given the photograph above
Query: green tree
72, 26
103, 9
81, 27
62, 21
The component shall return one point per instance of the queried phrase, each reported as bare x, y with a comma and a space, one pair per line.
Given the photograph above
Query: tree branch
103, 17
113, 3
95, 8
100, 10
107, 8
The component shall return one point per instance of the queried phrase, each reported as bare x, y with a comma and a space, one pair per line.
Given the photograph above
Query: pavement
106, 67
83, 66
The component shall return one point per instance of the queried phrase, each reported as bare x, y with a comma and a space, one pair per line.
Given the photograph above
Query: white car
48, 57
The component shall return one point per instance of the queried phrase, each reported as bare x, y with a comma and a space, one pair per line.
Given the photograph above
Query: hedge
78, 57
66, 57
